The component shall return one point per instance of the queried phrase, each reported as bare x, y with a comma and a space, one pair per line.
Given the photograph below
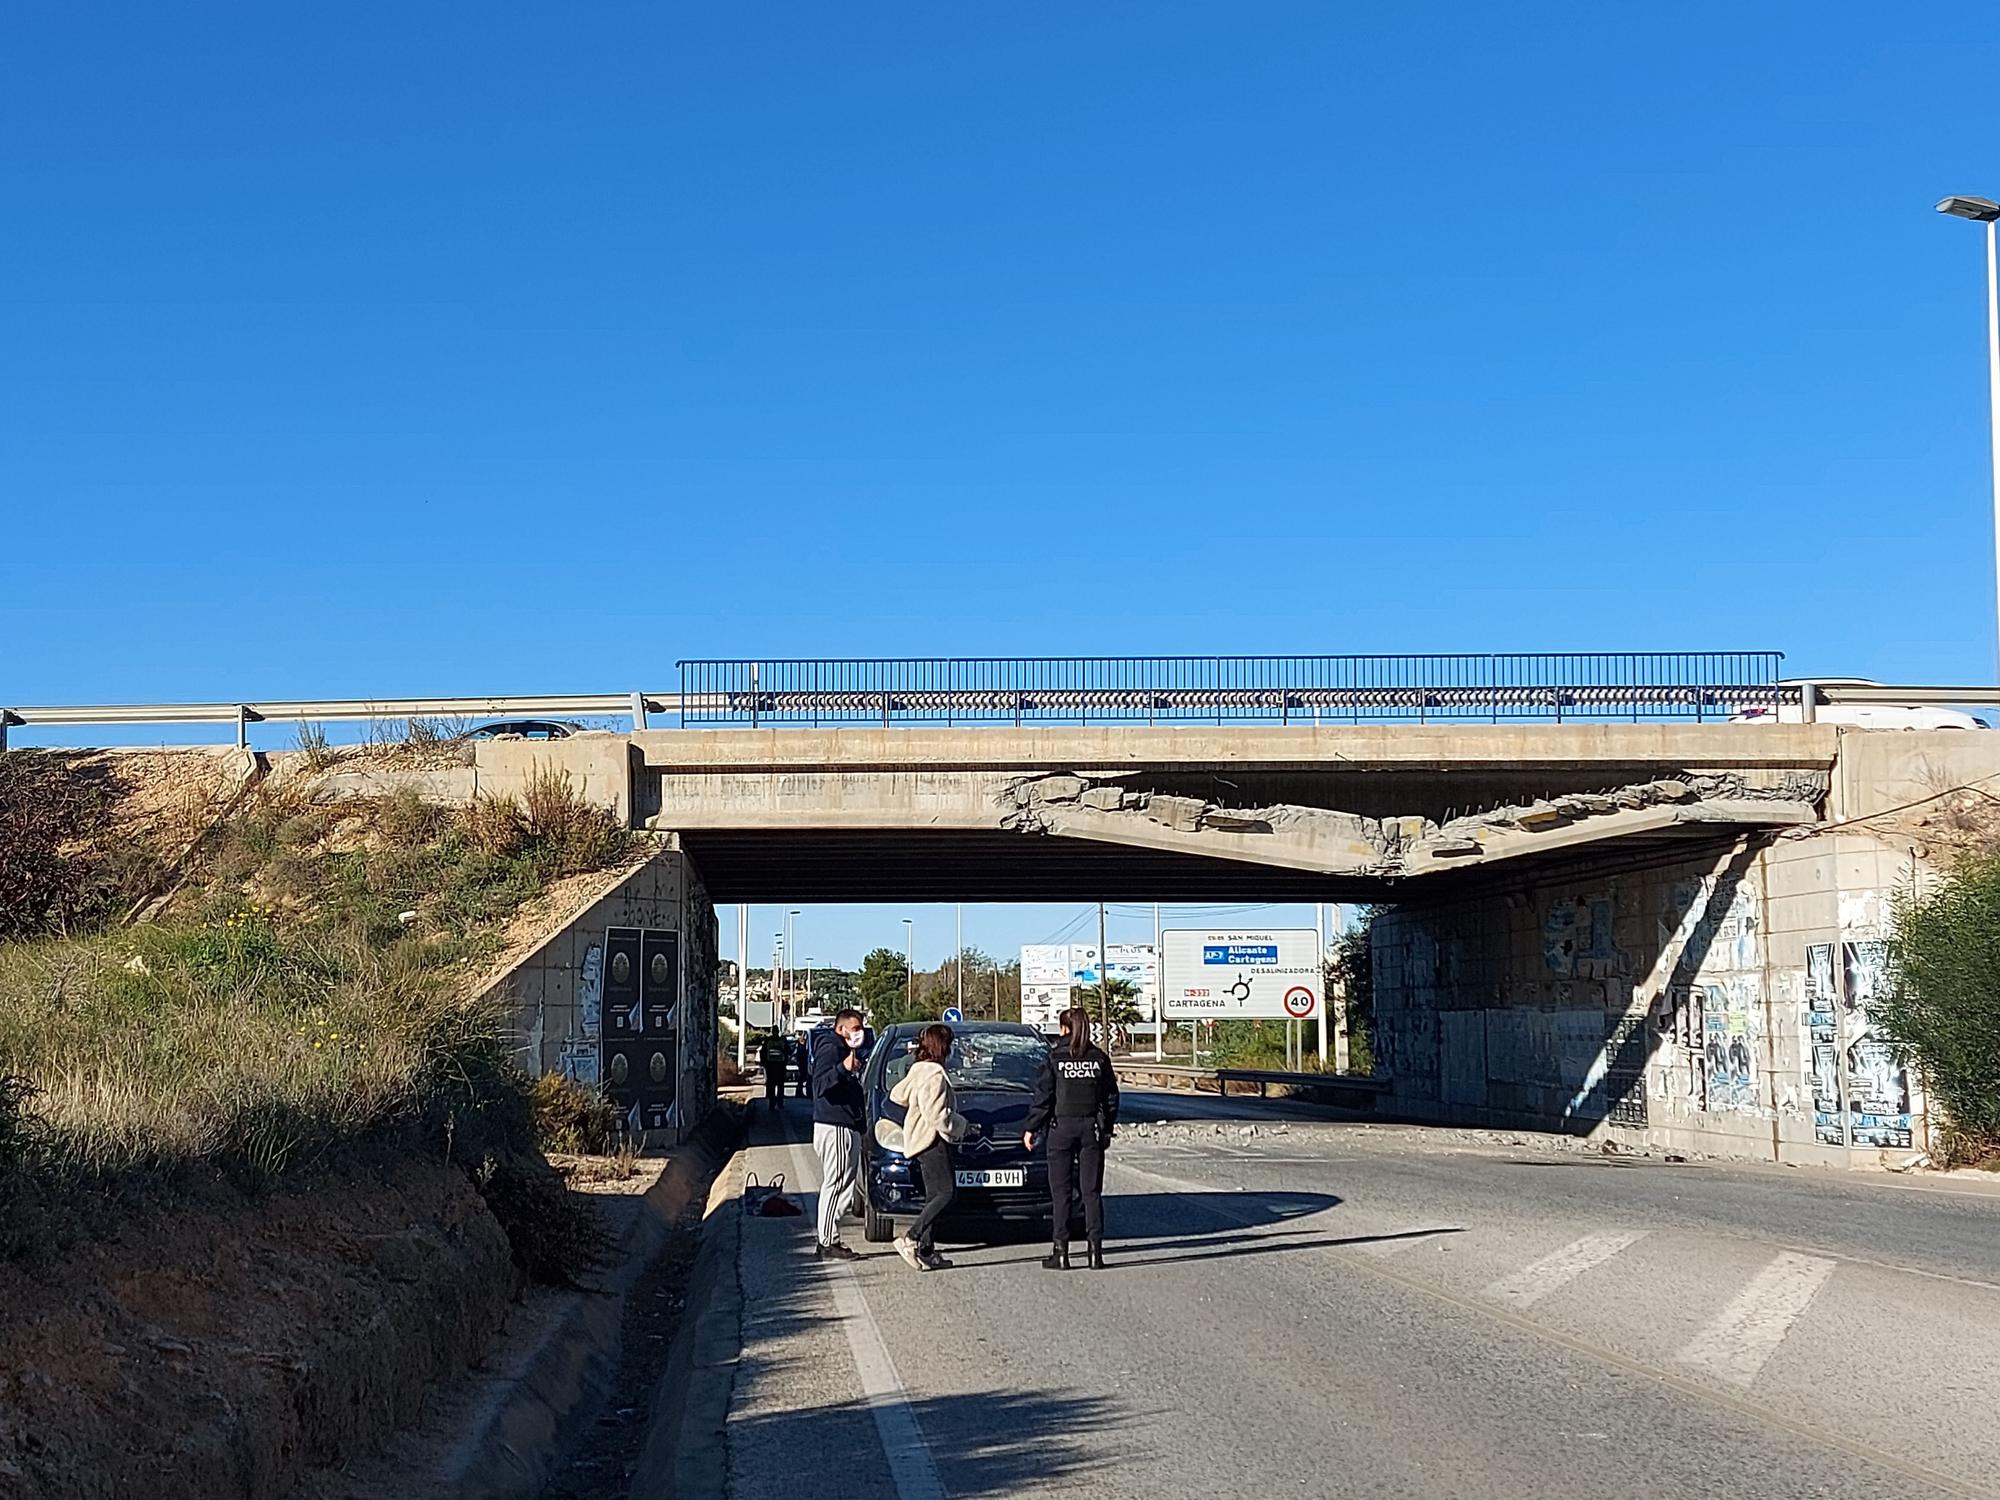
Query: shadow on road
994, 1442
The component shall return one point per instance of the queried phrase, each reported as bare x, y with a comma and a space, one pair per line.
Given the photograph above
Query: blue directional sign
1241, 955
953, 1013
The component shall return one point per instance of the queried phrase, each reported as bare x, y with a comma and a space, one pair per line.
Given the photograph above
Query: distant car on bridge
1860, 715
526, 729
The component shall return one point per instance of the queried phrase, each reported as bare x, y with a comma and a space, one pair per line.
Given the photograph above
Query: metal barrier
1636, 687
1490, 688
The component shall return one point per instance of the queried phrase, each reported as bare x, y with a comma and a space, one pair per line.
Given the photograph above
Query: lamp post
777, 965
1986, 211
791, 966
910, 963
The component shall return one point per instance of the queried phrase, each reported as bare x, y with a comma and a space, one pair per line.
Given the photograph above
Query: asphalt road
1331, 1310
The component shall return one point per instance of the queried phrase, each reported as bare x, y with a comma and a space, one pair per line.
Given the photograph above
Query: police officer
1076, 1102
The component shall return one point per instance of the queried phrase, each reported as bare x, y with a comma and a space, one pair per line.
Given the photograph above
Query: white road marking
1747, 1333
910, 1467
1382, 1249
1530, 1284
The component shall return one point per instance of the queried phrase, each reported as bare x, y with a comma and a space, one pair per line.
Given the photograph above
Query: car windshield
981, 1060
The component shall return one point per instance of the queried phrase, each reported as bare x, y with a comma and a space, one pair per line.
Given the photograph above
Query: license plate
994, 1177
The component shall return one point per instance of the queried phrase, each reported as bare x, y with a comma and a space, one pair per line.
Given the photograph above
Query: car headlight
889, 1135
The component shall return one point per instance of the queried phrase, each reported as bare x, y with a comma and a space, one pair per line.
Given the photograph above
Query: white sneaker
907, 1248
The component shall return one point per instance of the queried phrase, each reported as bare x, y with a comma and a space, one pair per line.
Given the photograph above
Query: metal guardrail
1132, 690
1488, 687
349, 710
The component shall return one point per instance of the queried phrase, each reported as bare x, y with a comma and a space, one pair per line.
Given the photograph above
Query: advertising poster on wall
1822, 1025
1732, 1079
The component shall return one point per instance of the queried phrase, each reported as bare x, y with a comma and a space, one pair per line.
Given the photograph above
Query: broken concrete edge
1304, 837
685, 1457
517, 1437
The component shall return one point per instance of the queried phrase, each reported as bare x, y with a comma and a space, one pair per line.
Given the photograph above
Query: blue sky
385, 349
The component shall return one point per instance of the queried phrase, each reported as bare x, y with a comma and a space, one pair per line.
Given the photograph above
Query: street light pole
777, 964
910, 964
958, 958
742, 988
791, 967
1986, 211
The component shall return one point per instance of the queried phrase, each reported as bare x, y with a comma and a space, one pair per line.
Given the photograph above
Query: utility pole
1159, 992
958, 957
910, 964
742, 988
1103, 978
1342, 1055
1326, 999
777, 963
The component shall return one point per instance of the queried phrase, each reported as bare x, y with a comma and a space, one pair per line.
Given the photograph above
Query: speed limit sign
1299, 1002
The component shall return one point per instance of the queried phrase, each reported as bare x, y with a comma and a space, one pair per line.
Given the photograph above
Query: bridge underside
767, 866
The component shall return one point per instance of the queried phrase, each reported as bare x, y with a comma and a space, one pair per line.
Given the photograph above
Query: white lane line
1748, 1331
1382, 1249
910, 1467
1551, 1273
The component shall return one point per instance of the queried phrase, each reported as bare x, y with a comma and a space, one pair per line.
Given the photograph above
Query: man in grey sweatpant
840, 1114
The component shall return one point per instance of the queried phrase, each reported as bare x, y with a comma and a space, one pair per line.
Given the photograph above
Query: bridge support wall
1717, 1004
556, 994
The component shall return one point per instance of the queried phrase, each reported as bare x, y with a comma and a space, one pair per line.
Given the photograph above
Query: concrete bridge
1182, 813
1668, 933
1665, 934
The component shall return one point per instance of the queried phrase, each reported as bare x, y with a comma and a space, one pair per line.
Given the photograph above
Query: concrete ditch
540, 1403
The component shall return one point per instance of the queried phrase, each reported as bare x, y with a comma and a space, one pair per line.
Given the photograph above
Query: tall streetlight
910, 963
791, 964
777, 965
1986, 211
958, 957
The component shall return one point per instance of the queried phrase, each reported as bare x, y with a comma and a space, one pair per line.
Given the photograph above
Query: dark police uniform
1076, 1102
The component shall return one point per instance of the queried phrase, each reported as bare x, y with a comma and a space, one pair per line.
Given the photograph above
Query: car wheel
877, 1229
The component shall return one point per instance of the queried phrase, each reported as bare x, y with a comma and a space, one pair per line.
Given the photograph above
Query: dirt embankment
221, 1350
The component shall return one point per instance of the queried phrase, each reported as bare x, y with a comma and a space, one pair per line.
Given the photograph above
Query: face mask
853, 1039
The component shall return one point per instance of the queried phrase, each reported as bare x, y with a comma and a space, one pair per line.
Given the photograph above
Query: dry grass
305, 994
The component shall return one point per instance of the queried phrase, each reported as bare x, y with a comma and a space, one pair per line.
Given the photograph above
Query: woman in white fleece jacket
931, 1123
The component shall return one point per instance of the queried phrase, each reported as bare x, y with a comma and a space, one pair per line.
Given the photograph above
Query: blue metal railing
1468, 688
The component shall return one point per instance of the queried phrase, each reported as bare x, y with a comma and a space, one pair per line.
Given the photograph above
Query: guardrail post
638, 712
6, 718
243, 718
1808, 702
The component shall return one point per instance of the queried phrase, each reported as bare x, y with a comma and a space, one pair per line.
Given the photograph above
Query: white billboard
1273, 974
1050, 971
1136, 964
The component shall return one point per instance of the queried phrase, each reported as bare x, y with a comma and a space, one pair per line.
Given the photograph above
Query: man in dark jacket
773, 1056
840, 1113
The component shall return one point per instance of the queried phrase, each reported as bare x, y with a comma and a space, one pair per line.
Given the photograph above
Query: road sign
1236, 975
953, 1013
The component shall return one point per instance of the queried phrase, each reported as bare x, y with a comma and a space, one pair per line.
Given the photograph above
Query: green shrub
572, 1118
1942, 1008
571, 833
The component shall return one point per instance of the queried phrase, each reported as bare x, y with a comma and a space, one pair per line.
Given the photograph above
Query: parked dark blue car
993, 1068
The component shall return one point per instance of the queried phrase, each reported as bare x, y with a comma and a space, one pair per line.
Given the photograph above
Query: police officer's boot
1096, 1254
1058, 1258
